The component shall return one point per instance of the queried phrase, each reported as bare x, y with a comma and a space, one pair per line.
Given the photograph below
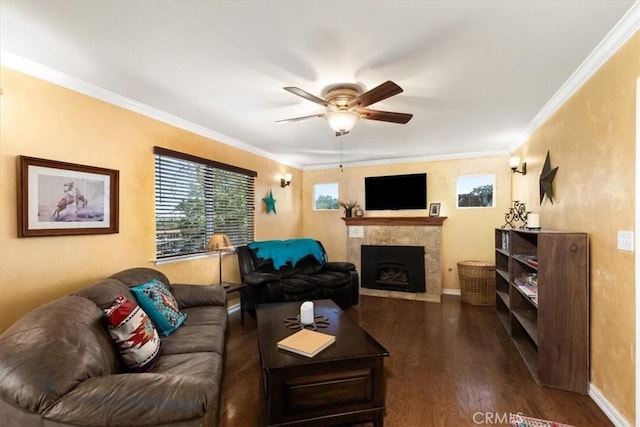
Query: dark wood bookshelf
551, 332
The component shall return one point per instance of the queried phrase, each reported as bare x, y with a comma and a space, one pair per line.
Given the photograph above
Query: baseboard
609, 410
233, 308
451, 292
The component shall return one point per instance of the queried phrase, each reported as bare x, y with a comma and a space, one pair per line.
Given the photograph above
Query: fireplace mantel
434, 221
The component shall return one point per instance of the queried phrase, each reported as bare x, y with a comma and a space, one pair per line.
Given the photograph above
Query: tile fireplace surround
409, 231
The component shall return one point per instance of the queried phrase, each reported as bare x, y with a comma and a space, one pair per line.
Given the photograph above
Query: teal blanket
292, 250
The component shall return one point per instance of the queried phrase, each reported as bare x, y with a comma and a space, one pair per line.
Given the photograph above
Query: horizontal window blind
197, 197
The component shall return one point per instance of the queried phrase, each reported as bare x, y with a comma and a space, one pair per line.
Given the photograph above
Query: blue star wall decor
270, 202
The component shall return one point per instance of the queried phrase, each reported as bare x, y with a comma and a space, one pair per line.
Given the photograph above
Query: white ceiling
475, 73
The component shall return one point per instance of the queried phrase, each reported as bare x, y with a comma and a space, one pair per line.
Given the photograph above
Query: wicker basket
477, 282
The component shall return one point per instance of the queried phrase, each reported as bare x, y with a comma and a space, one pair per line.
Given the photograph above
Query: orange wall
43, 120
467, 233
591, 139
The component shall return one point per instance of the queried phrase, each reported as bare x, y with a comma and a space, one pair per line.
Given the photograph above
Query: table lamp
220, 242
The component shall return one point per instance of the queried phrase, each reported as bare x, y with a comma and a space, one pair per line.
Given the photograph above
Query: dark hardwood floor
450, 364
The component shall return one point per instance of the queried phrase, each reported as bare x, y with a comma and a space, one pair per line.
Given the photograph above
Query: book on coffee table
306, 342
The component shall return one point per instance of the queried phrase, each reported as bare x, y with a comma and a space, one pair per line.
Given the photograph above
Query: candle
533, 220
306, 313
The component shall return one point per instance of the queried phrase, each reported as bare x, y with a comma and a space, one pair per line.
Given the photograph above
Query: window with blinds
197, 197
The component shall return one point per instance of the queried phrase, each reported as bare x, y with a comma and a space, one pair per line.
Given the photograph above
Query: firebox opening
397, 268
392, 274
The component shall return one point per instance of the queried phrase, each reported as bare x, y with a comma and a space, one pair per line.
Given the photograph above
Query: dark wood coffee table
342, 384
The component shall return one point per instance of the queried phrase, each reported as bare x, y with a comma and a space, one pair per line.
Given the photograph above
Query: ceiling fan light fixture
342, 121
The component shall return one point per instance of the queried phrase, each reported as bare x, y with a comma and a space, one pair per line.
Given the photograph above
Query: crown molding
423, 159
34, 69
628, 25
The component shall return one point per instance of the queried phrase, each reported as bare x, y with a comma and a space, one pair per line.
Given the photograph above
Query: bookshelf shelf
542, 299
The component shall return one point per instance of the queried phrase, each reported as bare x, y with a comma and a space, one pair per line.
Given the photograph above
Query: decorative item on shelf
533, 221
515, 214
434, 209
270, 202
349, 207
220, 243
285, 180
546, 179
358, 212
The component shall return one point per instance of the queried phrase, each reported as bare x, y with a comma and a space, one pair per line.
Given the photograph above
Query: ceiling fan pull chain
341, 168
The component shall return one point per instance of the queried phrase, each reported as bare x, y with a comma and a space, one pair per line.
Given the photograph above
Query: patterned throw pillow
158, 302
133, 333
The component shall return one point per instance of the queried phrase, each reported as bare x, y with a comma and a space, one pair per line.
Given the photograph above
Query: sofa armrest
260, 279
198, 295
339, 266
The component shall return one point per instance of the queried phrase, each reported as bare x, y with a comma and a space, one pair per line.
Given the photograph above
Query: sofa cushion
138, 399
330, 279
308, 265
196, 365
133, 333
139, 275
198, 295
194, 339
205, 316
104, 292
156, 300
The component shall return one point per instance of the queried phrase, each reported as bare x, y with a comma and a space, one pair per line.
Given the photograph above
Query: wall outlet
356, 232
625, 240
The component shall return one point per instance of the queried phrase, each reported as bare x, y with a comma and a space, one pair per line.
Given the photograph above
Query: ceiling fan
345, 105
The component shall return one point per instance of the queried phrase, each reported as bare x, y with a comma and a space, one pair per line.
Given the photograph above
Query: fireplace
395, 268
424, 231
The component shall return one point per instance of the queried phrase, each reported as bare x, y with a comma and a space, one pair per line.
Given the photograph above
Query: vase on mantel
348, 207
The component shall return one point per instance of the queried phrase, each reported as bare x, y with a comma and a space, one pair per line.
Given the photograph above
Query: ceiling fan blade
296, 119
384, 91
306, 95
384, 116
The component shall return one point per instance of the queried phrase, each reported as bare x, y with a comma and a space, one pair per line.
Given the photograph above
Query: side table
240, 288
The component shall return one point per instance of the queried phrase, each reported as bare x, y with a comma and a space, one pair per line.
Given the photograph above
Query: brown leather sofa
58, 366
307, 275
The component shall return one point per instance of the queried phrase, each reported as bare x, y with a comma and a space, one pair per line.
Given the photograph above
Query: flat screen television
394, 192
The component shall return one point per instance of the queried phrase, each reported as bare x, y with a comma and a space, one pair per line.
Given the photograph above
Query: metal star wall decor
270, 202
546, 179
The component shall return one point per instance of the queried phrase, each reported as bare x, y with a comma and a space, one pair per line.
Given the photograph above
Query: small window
476, 191
325, 196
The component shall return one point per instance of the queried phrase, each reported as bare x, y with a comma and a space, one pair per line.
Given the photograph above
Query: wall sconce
285, 180
514, 162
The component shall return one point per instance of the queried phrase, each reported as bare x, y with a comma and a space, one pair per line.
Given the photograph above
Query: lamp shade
342, 120
219, 242
514, 162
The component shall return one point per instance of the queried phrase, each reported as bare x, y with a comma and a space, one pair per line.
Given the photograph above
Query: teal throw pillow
157, 301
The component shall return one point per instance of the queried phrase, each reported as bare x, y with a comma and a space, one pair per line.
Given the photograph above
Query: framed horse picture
59, 199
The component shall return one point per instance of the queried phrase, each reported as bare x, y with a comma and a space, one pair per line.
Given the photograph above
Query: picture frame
434, 209
58, 198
